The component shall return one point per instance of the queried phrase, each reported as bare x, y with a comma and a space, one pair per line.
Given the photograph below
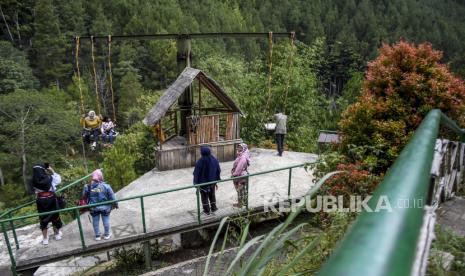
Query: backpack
97, 194
40, 179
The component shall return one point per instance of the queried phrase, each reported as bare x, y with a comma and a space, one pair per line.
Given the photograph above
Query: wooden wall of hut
206, 128
185, 157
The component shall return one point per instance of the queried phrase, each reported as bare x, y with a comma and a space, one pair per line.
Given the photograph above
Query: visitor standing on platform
99, 191
44, 181
280, 130
207, 169
240, 166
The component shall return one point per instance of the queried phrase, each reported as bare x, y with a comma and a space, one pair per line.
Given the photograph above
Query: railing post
12, 225
10, 252
198, 205
143, 214
81, 234
289, 183
247, 192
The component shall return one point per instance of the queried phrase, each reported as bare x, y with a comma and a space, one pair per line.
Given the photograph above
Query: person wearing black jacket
207, 169
46, 200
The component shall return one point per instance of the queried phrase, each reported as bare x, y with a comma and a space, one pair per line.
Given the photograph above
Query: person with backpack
240, 166
95, 192
207, 169
44, 181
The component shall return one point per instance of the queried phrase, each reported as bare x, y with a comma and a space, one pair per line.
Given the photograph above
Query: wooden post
183, 61
200, 98
159, 134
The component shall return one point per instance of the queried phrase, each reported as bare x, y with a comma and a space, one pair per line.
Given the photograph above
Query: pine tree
49, 46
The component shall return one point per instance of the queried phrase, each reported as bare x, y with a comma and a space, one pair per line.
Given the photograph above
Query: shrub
401, 86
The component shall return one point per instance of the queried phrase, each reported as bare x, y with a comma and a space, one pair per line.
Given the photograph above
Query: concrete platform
452, 215
172, 212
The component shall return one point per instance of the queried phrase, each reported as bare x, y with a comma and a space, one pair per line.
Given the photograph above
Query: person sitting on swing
91, 124
108, 132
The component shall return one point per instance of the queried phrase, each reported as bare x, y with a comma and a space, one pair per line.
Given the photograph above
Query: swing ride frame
185, 104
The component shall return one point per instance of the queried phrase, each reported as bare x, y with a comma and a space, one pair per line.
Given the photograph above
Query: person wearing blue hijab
207, 169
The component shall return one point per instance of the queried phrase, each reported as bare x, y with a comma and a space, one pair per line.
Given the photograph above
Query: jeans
96, 221
108, 137
93, 133
280, 143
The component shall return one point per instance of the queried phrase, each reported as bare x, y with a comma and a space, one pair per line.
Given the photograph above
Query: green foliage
401, 86
34, 130
130, 156
12, 195
15, 72
446, 241
49, 46
119, 160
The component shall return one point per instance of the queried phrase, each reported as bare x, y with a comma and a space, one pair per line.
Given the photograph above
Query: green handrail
384, 243
140, 197
9, 212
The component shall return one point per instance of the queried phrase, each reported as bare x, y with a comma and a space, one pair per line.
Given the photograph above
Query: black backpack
40, 179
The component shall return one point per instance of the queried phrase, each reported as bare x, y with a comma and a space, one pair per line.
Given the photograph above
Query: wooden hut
186, 117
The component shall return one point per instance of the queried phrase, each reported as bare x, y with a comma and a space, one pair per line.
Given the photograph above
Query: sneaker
98, 238
45, 241
58, 236
107, 237
206, 213
214, 209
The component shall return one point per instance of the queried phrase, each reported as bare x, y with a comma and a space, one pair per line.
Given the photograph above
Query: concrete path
451, 214
177, 209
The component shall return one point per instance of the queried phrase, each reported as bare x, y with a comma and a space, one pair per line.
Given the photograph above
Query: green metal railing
76, 209
9, 213
384, 243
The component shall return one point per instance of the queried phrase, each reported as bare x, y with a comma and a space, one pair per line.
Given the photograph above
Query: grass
447, 241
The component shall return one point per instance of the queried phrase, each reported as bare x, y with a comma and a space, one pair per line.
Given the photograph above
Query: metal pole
78, 217
289, 183
10, 251
147, 255
143, 214
12, 225
247, 193
198, 206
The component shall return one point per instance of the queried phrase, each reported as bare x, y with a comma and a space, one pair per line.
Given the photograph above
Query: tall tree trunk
6, 24
17, 28
2, 180
23, 156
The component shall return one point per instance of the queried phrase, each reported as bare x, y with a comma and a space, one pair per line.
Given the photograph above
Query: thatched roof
176, 89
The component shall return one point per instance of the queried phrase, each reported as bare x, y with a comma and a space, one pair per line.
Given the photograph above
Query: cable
97, 99
78, 72
290, 63
81, 99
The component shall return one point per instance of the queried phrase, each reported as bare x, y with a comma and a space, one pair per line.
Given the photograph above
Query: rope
78, 72
111, 79
97, 99
290, 63
270, 67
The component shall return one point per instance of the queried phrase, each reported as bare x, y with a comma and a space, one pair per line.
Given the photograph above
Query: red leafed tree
401, 86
